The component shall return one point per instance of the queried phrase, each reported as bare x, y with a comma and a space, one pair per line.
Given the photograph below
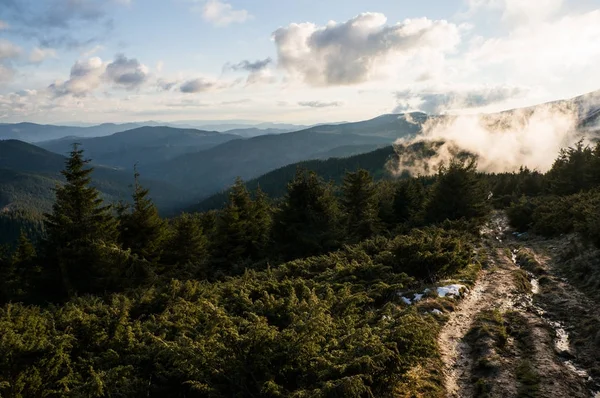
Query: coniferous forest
295, 296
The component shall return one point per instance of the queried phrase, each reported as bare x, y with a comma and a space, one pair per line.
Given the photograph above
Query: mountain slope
275, 182
207, 172
32, 132
28, 174
144, 145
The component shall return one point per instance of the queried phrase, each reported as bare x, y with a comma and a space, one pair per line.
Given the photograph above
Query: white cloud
319, 104
8, 50
561, 49
86, 76
222, 14
38, 55
355, 51
519, 11
439, 101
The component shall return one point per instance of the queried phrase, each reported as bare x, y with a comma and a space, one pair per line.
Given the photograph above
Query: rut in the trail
496, 290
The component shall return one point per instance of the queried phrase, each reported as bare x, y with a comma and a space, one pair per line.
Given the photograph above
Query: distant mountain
145, 145
255, 132
32, 132
29, 173
275, 182
207, 172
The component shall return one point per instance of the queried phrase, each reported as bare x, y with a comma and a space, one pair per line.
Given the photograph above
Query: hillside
274, 183
32, 132
29, 173
144, 145
215, 169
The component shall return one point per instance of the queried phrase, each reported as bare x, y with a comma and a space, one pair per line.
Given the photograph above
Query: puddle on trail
561, 341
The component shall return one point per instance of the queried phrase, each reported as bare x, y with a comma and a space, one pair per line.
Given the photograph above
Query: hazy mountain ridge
216, 168
144, 145
29, 173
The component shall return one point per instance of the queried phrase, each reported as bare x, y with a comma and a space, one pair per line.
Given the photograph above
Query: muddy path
556, 372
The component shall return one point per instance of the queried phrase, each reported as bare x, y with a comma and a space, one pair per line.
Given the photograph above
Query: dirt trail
496, 290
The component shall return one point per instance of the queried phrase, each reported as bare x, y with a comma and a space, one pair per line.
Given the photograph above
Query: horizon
122, 61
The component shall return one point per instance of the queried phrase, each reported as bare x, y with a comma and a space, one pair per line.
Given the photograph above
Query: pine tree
308, 221
187, 245
409, 200
359, 202
77, 229
142, 230
457, 193
243, 227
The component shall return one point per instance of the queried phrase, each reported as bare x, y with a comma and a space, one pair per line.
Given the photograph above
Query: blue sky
301, 61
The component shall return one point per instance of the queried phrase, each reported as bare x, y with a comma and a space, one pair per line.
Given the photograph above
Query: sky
294, 61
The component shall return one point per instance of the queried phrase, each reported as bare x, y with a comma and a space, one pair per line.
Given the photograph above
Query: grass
528, 262
528, 379
522, 282
488, 324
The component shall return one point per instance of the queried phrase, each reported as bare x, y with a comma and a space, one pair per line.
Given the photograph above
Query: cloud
127, 73
6, 73
3, 25
86, 76
8, 50
223, 14
547, 50
352, 52
249, 66
519, 11
436, 102
197, 86
38, 55
59, 23
166, 85
259, 71
319, 104
502, 142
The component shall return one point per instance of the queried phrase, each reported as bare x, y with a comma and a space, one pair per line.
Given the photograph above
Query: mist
502, 142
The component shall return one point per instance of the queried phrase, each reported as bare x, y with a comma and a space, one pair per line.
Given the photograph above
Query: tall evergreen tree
142, 230
457, 193
409, 200
77, 229
572, 171
243, 226
187, 244
308, 221
359, 203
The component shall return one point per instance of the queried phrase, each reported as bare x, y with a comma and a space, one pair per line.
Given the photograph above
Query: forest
303, 295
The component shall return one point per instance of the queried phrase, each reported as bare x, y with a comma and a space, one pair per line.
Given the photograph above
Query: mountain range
183, 166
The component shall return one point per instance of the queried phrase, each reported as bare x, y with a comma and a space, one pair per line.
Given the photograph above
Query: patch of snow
436, 311
417, 297
386, 318
450, 290
535, 286
576, 370
406, 300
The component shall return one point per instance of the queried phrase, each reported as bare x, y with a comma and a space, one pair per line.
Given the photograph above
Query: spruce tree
308, 221
458, 193
142, 230
187, 244
359, 202
409, 200
77, 229
243, 226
